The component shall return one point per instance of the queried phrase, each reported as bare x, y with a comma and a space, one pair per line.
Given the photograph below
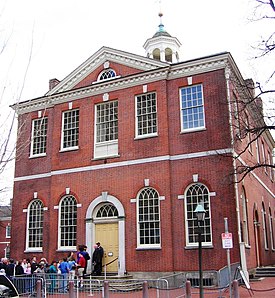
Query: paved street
264, 288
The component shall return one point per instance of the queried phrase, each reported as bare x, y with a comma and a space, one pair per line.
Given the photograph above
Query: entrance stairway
268, 271
116, 283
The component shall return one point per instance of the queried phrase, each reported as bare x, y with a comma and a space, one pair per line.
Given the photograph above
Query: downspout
168, 71
235, 180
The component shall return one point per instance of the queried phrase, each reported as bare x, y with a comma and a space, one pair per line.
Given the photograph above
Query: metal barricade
26, 284
56, 285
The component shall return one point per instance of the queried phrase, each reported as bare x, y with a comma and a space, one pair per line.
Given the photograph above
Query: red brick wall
170, 178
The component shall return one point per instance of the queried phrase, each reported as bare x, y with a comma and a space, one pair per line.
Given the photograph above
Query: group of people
71, 265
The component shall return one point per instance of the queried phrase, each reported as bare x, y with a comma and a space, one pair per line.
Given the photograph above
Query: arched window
35, 225
67, 222
168, 55
271, 228
195, 194
148, 219
156, 54
106, 74
264, 227
106, 211
245, 229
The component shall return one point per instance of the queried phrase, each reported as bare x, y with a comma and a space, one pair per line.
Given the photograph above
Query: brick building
5, 231
124, 148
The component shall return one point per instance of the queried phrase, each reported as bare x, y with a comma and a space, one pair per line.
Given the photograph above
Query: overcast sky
54, 37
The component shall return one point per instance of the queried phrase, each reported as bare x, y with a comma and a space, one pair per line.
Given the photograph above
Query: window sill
66, 249
196, 246
149, 248
146, 136
69, 149
106, 157
193, 130
33, 250
38, 155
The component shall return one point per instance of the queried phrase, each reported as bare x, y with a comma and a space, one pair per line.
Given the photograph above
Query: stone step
265, 272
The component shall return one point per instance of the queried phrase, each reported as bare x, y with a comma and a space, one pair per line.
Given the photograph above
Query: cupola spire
162, 46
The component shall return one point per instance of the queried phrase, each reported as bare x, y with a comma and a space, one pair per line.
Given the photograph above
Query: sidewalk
263, 288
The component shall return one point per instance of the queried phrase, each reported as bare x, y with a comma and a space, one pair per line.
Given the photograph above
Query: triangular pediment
105, 54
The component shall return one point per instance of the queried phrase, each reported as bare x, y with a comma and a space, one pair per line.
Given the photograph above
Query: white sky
59, 35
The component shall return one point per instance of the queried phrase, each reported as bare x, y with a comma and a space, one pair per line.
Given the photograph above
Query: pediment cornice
178, 70
101, 56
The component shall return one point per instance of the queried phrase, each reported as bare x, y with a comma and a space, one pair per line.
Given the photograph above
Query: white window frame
35, 248
193, 220
35, 138
106, 148
154, 221
264, 227
248, 133
7, 252
108, 73
146, 113
258, 151
271, 229
74, 147
264, 156
60, 239
8, 231
182, 108
245, 219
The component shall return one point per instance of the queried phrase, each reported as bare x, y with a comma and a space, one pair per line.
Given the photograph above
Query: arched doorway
257, 238
105, 222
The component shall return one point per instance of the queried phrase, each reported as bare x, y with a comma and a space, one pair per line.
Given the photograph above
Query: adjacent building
124, 148
5, 231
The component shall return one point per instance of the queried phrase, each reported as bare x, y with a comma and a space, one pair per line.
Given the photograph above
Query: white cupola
162, 46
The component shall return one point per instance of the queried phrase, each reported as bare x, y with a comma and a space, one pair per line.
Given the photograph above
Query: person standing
10, 270
97, 259
87, 258
64, 270
53, 275
81, 264
83, 251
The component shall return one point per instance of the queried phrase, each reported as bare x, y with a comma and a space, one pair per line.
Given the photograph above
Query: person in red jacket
80, 268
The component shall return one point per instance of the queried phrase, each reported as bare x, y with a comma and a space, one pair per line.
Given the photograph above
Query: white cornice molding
178, 70
95, 89
161, 39
202, 65
126, 163
102, 55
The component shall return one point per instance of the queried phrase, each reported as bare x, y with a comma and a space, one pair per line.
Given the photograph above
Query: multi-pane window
8, 231
146, 114
35, 224
70, 129
236, 115
67, 221
271, 229
148, 217
7, 252
192, 108
107, 210
39, 136
245, 229
264, 227
107, 122
247, 132
106, 74
197, 194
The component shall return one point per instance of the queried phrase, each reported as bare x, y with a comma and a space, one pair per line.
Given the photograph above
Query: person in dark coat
97, 259
10, 270
19, 270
